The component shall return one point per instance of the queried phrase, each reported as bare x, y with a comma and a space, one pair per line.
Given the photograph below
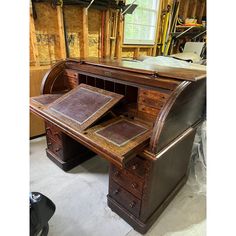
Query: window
140, 27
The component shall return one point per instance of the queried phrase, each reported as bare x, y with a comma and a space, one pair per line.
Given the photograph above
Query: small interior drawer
71, 73
71, 82
124, 198
130, 182
151, 102
156, 95
149, 110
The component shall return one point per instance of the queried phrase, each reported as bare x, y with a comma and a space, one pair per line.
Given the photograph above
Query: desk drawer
56, 148
124, 198
53, 132
138, 166
71, 73
130, 182
150, 102
71, 78
72, 82
149, 110
156, 95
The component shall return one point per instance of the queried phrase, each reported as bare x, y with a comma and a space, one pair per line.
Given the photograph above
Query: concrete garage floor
81, 208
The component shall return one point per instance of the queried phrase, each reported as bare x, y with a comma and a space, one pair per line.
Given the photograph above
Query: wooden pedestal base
143, 227
71, 163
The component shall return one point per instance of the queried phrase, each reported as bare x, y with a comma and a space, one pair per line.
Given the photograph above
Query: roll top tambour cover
145, 69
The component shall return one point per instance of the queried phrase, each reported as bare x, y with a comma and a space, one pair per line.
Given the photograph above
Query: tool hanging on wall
169, 19
165, 28
172, 28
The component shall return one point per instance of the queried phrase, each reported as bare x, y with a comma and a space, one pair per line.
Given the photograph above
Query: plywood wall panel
47, 34
127, 52
32, 60
73, 23
94, 32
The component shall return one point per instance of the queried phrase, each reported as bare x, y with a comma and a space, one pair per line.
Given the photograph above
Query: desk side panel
166, 173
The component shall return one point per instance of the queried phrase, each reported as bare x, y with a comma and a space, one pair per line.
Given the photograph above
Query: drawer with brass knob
128, 181
124, 198
138, 166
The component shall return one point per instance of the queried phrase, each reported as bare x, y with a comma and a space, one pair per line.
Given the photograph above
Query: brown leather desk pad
121, 132
82, 106
120, 144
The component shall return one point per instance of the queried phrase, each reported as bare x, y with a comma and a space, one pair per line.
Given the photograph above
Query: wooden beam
201, 9
158, 26
119, 36
113, 33
186, 7
84, 48
136, 53
194, 9
60, 23
107, 35
33, 41
149, 52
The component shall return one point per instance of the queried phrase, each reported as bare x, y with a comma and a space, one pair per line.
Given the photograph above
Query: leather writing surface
81, 105
121, 132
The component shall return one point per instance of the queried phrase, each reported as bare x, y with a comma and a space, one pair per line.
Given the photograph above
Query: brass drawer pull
57, 134
134, 185
48, 130
135, 166
57, 149
132, 204
115, 192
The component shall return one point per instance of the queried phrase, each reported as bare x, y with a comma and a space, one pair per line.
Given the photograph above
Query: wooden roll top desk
141, 118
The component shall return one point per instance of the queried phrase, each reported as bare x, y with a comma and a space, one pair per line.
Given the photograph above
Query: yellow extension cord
167, 16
